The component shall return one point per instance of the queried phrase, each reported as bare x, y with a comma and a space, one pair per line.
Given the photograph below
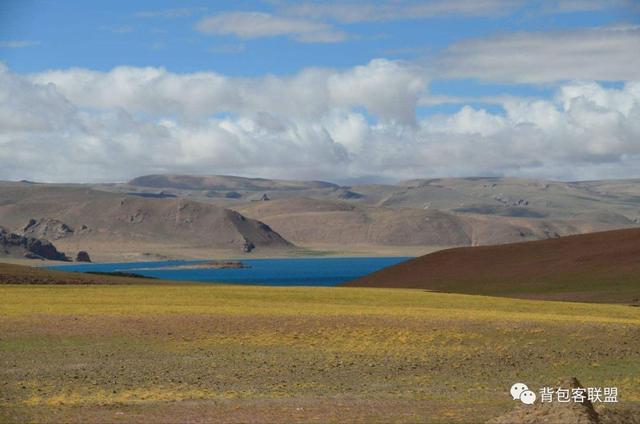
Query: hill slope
476, 211
224, 182
304, 220
95, 219
597, 267
308, 221
183, 216
19, 274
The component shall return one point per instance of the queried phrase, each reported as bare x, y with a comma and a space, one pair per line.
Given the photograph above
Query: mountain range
176, 216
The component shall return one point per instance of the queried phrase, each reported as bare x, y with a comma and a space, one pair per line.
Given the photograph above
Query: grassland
189, 353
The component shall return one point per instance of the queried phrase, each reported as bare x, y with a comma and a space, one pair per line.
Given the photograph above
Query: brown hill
308, 221
410, 218
84, 219
304, 220
224, 182
596, 267
18, 274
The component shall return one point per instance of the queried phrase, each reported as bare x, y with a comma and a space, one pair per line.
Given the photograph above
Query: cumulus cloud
259, 24
85, 125
565, 6
388, 89
609, 53
361, 11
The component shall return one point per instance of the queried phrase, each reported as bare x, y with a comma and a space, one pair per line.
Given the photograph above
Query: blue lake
267, 272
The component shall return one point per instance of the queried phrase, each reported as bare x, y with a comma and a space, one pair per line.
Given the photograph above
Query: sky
350, 91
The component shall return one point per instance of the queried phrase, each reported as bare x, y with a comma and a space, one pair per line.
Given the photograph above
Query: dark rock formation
43, 248
265, 198
232, 195
347, 194
83, 256
248, 246
12, 244
161, 195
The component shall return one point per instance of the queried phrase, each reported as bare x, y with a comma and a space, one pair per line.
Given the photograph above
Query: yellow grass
243, 300
74, 352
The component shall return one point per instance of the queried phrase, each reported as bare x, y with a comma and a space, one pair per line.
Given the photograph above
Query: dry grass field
190, 353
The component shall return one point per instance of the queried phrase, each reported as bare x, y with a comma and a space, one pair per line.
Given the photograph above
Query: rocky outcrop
83, 229
248, 246
48, 228
347, 194
17, 245
83, 256
101, 220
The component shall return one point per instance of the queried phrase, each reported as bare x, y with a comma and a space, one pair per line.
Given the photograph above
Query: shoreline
175, 253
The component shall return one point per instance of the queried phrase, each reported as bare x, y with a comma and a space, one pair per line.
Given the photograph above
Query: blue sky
103, 34
480, 55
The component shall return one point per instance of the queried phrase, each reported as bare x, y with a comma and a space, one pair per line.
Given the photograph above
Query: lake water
267, 272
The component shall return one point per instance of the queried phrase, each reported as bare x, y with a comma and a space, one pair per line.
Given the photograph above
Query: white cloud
85, 125
352, 11
181, 12
390, 90
227, 48
590, 54
259, 24
18, 44
360, 11
470, 121
566, 6
124, 29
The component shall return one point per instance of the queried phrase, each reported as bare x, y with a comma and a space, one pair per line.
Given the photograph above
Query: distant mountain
615, 202
342, 223
80, 218
596, 267
411, 217
224, 182
308, 221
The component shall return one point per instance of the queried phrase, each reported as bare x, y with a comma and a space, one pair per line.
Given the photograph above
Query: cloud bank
609, 53
83, 125
390, 10
259, 24
17, 44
